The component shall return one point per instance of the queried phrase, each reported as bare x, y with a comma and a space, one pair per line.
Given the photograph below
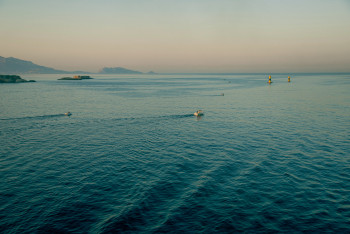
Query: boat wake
176, 116
156, 117
132, 118
34, 117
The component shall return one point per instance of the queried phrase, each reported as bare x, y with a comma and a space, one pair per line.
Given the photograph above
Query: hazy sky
179, 35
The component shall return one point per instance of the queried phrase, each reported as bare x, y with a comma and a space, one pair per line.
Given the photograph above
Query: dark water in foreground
132, 158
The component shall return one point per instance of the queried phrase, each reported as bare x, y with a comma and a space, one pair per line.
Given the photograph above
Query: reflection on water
199, 117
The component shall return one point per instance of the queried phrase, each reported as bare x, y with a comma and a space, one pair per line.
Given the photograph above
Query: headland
13, 79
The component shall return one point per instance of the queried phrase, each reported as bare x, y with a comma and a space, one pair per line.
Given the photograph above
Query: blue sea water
132, 158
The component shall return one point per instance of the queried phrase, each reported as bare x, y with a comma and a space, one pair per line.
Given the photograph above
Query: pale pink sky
179, 36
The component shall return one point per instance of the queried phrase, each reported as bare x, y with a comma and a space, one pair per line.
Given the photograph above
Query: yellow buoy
270, 79
288, 78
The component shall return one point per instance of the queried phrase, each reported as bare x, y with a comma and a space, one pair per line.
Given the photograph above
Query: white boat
68, 113
198, 113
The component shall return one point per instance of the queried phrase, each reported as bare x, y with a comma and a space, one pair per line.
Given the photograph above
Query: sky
179, 35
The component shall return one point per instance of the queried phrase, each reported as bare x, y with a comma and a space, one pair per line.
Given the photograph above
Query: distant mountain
118, 70
17, 66
12, 65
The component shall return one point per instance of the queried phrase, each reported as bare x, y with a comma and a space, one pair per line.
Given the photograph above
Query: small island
76, 78
13, 79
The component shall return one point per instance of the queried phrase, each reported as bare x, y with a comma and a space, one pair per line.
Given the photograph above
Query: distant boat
68, 113
198, 113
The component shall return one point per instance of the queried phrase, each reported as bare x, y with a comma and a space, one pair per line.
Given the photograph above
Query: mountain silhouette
18, 66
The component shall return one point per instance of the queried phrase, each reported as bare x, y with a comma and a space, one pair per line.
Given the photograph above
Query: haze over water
133, 158
179, 36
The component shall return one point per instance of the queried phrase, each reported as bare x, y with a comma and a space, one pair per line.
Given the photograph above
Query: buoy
288, 78
68, 113
270, 79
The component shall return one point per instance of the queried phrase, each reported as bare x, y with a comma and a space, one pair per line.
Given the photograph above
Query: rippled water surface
132, 158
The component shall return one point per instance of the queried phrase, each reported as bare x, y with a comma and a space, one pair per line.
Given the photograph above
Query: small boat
68, 113
198, 113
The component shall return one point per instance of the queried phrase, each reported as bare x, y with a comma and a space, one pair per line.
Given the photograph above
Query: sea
133, 158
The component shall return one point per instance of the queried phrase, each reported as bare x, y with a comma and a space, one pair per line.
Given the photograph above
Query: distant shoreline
261, 73
18, 66
201, 73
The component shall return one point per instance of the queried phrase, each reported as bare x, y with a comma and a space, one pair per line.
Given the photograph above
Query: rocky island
13, 79
76, 78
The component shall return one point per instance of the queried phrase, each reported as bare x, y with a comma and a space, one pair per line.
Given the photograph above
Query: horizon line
194, 73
